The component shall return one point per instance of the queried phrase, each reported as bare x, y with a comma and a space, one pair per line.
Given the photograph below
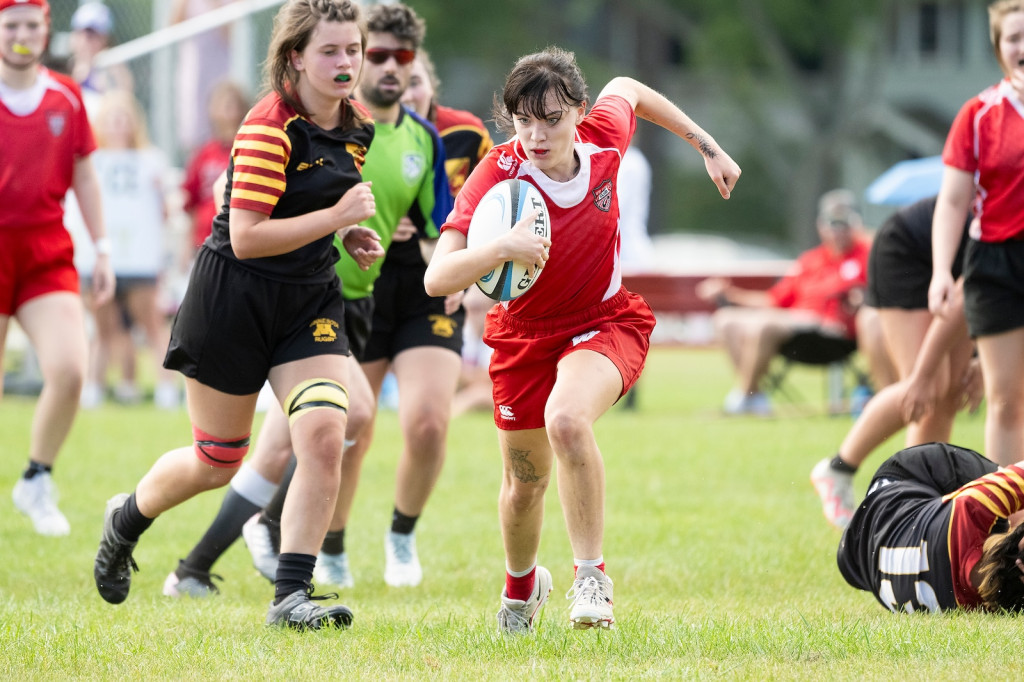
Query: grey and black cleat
298, 611
186, 581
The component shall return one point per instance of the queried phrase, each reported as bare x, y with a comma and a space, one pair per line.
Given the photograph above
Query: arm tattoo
521, 466
703, 145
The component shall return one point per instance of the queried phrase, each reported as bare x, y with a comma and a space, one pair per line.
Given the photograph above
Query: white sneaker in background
127, 394
36, 498
733, 403
759, 404
332, 569
835, 488
402, 563
92, 396
260, 541
166, 396
738, 402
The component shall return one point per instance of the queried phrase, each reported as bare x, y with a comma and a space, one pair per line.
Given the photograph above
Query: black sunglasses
379, 55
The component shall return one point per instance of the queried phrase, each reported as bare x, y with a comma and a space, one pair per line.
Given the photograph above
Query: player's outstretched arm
656, 108
722, 291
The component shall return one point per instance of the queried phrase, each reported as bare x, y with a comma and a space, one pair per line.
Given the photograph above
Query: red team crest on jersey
603, 196
57, 122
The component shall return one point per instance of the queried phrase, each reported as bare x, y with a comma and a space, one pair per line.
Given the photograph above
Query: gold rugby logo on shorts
442, 325
324, 330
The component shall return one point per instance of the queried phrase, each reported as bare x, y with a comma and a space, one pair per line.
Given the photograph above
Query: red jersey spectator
228, 104
821, 293
822, 281
47, 142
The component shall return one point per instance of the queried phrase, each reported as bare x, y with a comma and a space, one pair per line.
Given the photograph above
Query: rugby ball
498, 211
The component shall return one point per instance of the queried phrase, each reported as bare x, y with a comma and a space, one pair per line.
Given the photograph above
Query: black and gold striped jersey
284, 165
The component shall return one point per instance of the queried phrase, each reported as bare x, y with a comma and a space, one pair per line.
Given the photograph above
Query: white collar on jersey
1011, 96
565, 194
24, 102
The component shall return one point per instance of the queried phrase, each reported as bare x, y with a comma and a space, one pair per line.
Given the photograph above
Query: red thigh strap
225, 454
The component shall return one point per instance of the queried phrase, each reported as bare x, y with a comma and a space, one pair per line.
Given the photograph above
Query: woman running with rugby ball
568, 349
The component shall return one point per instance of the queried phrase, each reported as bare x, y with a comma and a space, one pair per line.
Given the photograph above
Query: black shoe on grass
114, 562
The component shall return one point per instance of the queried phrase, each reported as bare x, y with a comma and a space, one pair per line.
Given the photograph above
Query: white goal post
157, 50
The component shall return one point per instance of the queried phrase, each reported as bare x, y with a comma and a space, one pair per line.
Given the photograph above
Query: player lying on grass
932, 533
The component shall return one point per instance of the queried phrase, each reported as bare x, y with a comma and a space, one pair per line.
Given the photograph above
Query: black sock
272, 512
837, 464
402, 524
130, 523
235, 510
294, 573
334, 542
34, 468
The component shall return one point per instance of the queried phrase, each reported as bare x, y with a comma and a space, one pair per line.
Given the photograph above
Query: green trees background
790, 88
794, 90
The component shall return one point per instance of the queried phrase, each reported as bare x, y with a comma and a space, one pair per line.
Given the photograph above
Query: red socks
520, 588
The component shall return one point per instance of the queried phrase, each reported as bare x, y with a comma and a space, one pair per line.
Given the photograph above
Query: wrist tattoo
703, 145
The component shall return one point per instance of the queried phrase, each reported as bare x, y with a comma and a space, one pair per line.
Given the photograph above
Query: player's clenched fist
356, 205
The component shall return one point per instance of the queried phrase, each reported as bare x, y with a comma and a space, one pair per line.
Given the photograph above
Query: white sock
593, 563
520, 574
251, 485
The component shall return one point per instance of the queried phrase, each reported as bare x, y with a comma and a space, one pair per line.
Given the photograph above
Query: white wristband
103, 246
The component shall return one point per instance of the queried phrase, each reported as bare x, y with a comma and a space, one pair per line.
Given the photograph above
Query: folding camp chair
833, 353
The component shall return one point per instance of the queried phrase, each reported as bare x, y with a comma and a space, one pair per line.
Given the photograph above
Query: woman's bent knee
567, 430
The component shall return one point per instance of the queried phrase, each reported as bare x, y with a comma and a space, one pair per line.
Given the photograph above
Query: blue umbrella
906, 182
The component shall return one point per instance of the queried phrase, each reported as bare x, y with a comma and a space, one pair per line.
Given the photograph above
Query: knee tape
315, 394
224, 454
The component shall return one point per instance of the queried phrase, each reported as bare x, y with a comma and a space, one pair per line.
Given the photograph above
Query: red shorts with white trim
34, 262
527, 352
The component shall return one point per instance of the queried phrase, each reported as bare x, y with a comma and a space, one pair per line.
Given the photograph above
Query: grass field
723, 564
